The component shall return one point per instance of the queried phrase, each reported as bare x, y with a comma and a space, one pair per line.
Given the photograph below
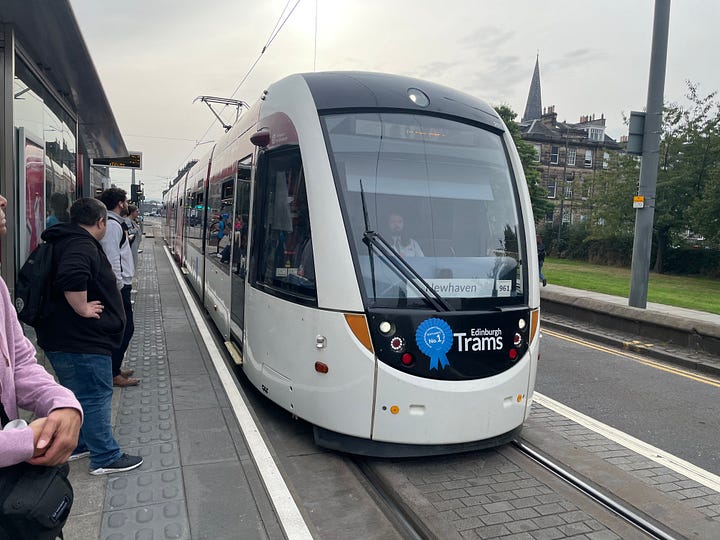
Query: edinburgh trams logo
435, 339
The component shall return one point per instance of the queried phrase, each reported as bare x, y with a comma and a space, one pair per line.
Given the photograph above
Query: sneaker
79, 455
122, 464
544, 282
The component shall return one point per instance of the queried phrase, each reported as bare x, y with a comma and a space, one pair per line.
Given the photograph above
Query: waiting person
400, 241
53, 435
86, 325
59, 203
541, 258
134, 231
116, 245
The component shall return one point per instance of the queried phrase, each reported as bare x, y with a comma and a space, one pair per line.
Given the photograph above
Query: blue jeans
89, 376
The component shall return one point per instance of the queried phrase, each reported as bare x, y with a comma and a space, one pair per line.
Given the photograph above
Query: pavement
199, 481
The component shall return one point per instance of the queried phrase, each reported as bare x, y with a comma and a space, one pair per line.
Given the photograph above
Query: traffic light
136, 193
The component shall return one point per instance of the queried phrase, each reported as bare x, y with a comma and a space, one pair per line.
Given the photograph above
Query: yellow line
640, 359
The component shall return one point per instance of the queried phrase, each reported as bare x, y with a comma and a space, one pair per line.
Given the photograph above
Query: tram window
219, 222
453, 186
285, 263
241, 217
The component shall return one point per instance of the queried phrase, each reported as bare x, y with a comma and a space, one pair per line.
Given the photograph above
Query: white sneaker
79, 455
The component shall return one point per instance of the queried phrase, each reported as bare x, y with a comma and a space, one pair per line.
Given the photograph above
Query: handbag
35, 501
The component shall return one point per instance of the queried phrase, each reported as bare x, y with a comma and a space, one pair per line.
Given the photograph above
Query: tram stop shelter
54, 118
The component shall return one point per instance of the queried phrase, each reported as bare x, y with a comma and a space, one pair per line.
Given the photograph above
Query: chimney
549, 117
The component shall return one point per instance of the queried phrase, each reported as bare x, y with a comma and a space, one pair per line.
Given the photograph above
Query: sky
154, 57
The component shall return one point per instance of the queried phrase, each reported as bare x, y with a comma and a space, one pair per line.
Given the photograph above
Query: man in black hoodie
86, 325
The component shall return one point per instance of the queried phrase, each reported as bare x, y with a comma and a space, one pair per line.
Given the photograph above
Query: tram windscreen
441, 193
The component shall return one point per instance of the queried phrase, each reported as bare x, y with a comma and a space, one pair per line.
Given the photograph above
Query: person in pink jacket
53, 435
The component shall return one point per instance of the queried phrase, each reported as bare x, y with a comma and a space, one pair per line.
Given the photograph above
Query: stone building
570, 156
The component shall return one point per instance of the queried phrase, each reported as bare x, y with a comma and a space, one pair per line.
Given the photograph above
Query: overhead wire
275, 31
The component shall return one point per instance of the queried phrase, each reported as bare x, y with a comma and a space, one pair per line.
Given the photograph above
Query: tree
613, 192
689, 172
688, 182
538, 196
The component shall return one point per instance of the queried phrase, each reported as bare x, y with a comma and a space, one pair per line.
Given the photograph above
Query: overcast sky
155, 56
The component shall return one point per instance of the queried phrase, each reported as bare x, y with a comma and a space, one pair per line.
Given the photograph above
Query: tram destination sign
132, 161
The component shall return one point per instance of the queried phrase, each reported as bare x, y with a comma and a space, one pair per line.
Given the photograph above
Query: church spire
533, 108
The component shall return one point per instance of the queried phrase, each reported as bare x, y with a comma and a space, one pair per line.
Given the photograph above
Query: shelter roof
49, 33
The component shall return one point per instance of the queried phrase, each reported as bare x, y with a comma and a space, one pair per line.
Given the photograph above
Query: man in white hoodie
116, 246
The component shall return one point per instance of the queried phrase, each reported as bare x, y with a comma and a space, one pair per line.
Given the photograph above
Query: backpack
124, 227
33, 288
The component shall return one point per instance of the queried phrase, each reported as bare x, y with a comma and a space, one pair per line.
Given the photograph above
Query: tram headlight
386, 328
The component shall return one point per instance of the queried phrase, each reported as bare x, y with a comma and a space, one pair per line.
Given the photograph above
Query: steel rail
615, 506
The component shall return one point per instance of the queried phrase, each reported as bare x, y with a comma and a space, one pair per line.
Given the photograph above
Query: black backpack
124, 228
33, 288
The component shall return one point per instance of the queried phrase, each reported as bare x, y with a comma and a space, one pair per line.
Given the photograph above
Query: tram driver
400, 241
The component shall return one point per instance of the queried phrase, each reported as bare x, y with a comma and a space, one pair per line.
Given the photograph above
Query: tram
365, 245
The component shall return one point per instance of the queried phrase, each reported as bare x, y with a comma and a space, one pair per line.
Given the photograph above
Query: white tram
365, 244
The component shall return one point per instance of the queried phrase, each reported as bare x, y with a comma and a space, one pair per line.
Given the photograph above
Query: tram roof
357, 89
48, 32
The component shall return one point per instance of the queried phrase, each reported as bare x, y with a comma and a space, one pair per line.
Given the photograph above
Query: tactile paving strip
148, 503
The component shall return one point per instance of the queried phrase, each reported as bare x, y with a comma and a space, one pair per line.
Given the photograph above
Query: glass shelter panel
47, 158
442, 195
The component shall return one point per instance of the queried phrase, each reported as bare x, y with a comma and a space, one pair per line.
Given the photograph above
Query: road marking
657, 365
289, 516
701, 476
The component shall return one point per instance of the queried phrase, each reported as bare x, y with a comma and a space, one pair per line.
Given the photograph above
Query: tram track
620, 508
408, 524
412, 522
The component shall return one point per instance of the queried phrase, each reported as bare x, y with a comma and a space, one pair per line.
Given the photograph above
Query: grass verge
691, 292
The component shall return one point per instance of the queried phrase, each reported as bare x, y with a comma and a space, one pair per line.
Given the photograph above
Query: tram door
240, 248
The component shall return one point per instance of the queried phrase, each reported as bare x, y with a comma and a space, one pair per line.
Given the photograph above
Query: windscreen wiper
370, 251
372, 238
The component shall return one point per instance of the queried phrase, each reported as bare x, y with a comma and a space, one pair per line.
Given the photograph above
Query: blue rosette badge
434, 338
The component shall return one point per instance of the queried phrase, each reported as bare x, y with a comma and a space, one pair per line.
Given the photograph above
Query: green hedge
580, 242
692, 261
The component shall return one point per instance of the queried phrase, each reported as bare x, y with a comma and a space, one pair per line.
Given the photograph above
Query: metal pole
642, 244
8, 158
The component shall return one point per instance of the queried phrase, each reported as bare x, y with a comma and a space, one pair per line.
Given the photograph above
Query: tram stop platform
197, 479
200, 481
